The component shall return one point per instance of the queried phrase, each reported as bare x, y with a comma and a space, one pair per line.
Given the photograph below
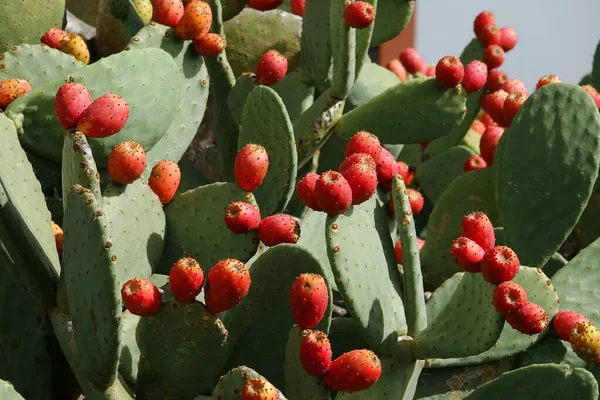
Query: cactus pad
316, 52
295, 94
343, 46
392, 18
239, 94
372, 81
183, 349
78, 166
130, 352
359, 243
265, 121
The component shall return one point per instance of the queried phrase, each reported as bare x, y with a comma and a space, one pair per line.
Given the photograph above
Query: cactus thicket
76, 247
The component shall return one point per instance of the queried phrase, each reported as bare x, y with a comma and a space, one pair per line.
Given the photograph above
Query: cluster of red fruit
475, 251
350, 372
366, 165
68, 43
584, 337
250, 168
227, 283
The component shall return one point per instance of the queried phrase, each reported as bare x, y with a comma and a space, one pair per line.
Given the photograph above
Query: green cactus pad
577, 283
230, 8
94, 296
130, 352
183, 349
416, 314
539, 290
333, 148
414, 112
119, 8
36, 63
554, 264
436, 175
560, 121
194, 93
202, 212
258, 344
295, 94
473, 51
298, 384
587, 230
78, 166
372, 81
468, 314
265, 121
343, 46
316, 52
137, 228
541, 381
363, 43
344, 336
313, 127
25, 227
392, 18
469, 192
26, 22
8, 392
440, 297
252, 33
26, 341
47, 173
230, 385
359, 244
152, 95
239, 94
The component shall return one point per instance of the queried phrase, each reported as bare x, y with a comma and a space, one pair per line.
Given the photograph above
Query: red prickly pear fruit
164, 180
564, 322
363, 142
508, 38
430, 71
416, 200
467, 254
52, 38
209, 45
449, 72
512, 105
264, 5
496, 79
333, 193
227, 283
74, 45
272, 67
475, 76
386, 168
478, 227
71, 100
478, 126
585, 342
186, 279
493, 104
141, 297
509, 296
306, 191
594, 93
489, 142
250, 166
353, 371
475, 162
241, 217
487, 120
493, 56
500, 264
11, 89
397, 68
406, 172
167, 12
309, 298
359, 170
515, 86
315, 353
359, 14
126, 162
489, 35
412, 61
482, 20
196, 21
58, 238
529, 319
297, 7
259, 389
106, 116
398, 248
277, 229
546, 80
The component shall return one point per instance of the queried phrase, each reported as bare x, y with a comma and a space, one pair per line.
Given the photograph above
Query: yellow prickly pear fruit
144, 9
74, 45
585, 341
